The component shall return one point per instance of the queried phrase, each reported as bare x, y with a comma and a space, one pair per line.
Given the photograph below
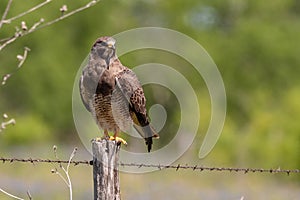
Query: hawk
113, 94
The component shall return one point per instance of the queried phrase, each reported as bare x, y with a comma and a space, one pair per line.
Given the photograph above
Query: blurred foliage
30, 130
255, 45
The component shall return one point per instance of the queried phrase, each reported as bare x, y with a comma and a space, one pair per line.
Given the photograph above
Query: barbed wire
158, 166
37, 160
203, 168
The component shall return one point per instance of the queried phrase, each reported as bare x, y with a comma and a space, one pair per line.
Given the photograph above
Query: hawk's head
104, 48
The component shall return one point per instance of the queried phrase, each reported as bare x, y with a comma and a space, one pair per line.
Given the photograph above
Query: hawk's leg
118, 139
105, 137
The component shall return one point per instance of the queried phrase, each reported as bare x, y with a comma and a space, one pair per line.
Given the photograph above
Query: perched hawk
113, 93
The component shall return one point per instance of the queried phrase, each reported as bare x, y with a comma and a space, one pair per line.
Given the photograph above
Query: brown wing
85, 88
89, 80
132, 90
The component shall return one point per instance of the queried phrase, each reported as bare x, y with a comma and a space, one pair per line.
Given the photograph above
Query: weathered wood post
105, 170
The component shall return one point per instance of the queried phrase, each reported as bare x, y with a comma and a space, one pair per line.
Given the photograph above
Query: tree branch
5, 13
8, 21
10, 195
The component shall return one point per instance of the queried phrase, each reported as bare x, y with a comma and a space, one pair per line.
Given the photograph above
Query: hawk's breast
111, 111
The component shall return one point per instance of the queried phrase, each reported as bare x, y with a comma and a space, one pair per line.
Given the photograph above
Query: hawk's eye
99, 42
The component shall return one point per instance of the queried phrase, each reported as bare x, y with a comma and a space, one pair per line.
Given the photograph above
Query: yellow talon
118, 139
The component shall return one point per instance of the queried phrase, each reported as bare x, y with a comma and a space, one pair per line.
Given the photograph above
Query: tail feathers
147, 132
149, 143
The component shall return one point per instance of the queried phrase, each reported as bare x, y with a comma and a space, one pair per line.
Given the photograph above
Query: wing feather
89, 81
128, 83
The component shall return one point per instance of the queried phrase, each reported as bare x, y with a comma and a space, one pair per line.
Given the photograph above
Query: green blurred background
255, 45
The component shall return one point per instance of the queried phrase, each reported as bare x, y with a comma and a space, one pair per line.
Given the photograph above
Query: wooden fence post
105, 170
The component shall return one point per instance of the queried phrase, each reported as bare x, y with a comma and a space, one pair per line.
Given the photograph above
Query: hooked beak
110, 44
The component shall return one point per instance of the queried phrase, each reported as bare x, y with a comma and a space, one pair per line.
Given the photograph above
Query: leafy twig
67, 180
6, 123
21, 59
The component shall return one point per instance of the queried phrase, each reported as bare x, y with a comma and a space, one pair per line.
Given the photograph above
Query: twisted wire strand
158, 166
